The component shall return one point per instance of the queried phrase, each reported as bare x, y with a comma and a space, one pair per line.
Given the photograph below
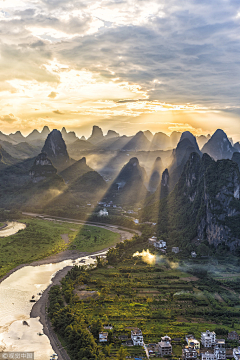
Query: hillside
6, 159
76, 170
204, 204
219, 146
128, 187
22, 150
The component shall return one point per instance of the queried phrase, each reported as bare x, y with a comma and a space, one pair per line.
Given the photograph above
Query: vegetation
202, 192
42, 238
159, 299
92, 238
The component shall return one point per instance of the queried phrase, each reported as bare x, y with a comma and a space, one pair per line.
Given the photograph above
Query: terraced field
159, 299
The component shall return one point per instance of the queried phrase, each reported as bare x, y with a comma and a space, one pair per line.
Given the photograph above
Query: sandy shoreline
69, 254
39, 308
11, 228
53, 259
37, 312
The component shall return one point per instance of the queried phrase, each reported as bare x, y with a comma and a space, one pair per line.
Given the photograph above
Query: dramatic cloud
103, 60
8, 118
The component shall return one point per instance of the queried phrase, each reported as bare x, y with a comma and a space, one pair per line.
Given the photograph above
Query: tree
107, 349
99, 261
96, 328
122, 353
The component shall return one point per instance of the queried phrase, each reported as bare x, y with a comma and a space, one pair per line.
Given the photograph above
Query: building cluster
162, 348
108, 205
214, 349
211, 347
158, 244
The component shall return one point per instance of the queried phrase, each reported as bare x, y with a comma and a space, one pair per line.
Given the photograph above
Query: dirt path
65, 238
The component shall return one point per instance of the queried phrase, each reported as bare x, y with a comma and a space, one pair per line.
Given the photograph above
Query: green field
42, 238
92, 238
159, 299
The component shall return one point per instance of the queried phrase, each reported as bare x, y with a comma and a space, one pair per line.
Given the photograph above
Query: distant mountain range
57, 171
217, 146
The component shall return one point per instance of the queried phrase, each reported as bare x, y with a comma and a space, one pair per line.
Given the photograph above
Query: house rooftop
136, 332
220, 341
189, 349
166, 338
164, 344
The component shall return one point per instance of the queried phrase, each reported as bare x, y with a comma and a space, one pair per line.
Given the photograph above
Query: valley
42, 239
97, 201
119, 180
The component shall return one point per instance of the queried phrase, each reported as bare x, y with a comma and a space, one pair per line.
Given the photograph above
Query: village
208, 348
161, 245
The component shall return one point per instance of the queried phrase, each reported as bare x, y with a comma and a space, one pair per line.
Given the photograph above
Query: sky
125, 65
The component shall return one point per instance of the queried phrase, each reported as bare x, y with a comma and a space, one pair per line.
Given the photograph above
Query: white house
103, 336
189, 353
207, 356
220, 352
236, 353
158, 244
137, 337
193, 254
208, 338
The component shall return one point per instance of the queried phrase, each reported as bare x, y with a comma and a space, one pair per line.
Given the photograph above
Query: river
16, 291
11, 229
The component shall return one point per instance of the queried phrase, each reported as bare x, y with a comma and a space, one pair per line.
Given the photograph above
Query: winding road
124, 232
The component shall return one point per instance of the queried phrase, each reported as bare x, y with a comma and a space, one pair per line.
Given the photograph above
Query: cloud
191, 50
58, 112
52, 95
164, 51
10, 118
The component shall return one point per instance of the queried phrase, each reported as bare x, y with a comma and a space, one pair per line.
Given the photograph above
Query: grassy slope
43, 238
91, 238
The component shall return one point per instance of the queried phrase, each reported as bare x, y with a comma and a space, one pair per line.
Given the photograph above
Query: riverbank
39, 311
52, 259
23, 282
17, 293
44, 238
55, 258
